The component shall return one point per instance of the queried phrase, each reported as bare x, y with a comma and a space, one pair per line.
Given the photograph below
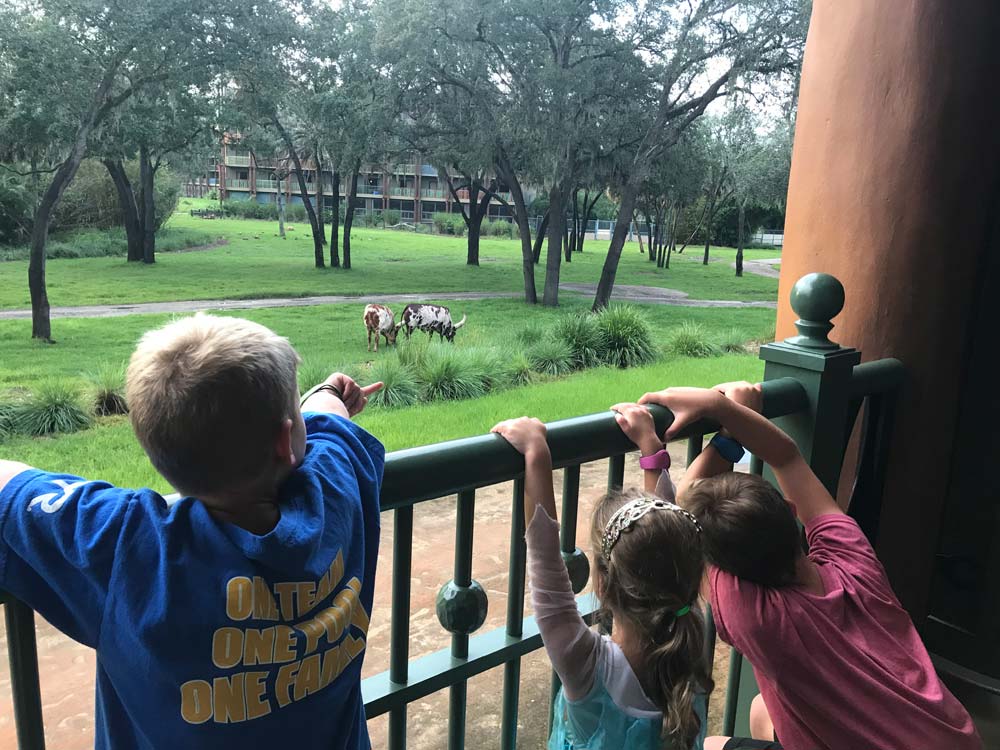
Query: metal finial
816, 298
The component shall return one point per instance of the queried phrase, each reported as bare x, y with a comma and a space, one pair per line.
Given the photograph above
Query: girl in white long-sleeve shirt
645, 686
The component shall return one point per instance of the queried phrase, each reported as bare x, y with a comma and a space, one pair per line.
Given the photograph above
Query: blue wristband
726, 447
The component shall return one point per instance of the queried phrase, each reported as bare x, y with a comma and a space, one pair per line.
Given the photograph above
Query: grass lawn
256, 263
332, 337
110, 452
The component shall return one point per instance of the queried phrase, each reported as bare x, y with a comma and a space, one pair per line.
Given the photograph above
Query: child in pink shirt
839, 663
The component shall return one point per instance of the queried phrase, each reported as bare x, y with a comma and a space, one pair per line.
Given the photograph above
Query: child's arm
637, 424
759, 436
710, 462
350, 403
527, 435
572, 647
9, 470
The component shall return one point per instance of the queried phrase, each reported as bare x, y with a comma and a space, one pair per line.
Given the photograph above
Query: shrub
583, 336
412, 351
500, 228
627, 339
550, 357
6, 420
442, 222
734, 341
490, 367
449, 373
401, 385
54, 406
212, 195
17, 202
689, 339
391, 217
107, 389
517, 368
530, 335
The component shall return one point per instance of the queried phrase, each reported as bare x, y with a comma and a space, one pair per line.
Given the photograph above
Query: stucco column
893, 190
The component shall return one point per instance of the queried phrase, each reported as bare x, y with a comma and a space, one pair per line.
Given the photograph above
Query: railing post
824, 369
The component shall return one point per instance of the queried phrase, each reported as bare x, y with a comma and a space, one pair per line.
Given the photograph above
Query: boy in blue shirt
237, 616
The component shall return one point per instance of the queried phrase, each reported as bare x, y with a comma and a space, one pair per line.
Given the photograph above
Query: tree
759, 167
110, 53
710, 48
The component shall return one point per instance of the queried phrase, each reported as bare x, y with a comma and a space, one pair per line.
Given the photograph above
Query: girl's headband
631, 512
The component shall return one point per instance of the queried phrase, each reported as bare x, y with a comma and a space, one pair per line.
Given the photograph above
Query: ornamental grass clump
488, 364
106, 388
450, 374
690, 339
401, 386
55, 406
734, 341
583, 336
627, 340
6, 420
551, 357
530, 335
517, 367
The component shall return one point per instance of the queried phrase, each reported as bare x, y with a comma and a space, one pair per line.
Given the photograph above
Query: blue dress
596, 722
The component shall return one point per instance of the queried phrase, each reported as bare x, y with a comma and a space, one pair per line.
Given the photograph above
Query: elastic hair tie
683, 611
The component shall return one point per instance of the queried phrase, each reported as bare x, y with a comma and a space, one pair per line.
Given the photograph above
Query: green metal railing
813, 388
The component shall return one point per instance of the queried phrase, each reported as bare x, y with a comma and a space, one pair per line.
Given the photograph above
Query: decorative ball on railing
579, 568
462, 609
816, 298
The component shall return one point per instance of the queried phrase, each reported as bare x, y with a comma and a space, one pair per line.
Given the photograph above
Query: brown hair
207, 396
749, 529
654, 570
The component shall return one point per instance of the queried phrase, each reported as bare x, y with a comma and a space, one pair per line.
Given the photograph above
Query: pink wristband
659, 460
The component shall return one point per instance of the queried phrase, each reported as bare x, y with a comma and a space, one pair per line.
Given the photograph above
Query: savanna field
508, 360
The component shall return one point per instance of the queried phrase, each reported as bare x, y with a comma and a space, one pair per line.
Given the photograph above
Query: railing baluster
616, 473
399, 639
23, 653
464, 526
732, 692
695, 445
515, 619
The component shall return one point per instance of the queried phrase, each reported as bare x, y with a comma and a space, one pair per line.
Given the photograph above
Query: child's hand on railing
688, 405
743, 393
637, 424
525, 434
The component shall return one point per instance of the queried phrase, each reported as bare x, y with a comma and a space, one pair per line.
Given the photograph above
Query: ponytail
677, 673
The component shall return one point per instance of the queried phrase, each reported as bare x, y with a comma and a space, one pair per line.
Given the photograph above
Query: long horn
460, 323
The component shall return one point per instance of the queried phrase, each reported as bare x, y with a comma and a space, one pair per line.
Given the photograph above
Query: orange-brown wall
893, 186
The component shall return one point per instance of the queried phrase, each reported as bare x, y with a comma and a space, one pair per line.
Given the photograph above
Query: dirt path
654, 295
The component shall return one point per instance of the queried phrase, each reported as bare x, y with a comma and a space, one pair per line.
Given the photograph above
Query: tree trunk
540, 235
130, 211
304, 192
739, 239
557, 219
576, 225
474, 221
335, 227
281, 210
650, 238
673, 236
147, 202
588, 211
352, 193
638, 235
607, 283
709, 221
320, 207
506, 173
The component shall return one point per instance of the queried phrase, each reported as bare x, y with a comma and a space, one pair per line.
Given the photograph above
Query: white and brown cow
380, 321
430, 318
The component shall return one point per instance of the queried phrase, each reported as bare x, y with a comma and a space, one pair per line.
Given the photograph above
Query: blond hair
207, 397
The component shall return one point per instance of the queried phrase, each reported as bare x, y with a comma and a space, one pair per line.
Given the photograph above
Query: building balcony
459, 469
267, 185
238, 184
402, 192
235, 160
433, 193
